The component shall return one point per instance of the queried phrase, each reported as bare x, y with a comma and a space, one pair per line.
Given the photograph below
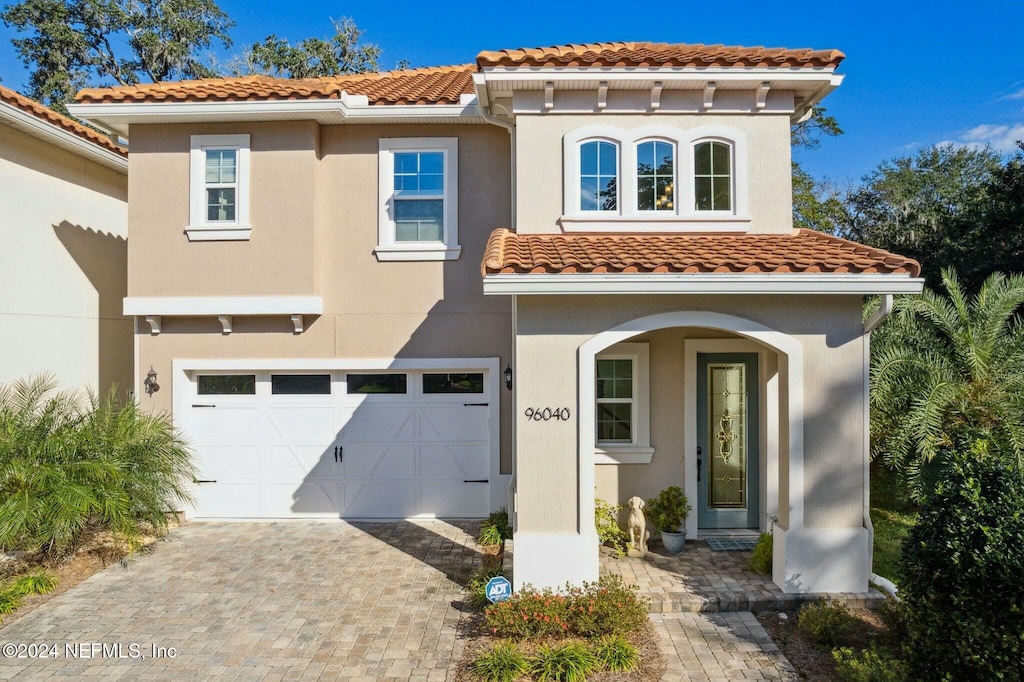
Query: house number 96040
538, 414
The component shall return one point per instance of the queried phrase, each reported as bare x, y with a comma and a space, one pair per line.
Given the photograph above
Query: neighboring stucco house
63, 224
305, 266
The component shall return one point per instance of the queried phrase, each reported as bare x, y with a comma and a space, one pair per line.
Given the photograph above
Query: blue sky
917, 73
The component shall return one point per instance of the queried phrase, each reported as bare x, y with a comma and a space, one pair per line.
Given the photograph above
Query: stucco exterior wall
372, 309
539, 163
62, 267
550, 329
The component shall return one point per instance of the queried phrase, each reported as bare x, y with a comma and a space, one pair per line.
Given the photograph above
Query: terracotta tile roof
659, 54
436, 85
36, 109
800, 251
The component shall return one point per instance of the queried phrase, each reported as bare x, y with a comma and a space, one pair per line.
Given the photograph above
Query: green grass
892, 514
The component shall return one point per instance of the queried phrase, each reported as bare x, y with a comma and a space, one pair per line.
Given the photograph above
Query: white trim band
224, 305
701, 283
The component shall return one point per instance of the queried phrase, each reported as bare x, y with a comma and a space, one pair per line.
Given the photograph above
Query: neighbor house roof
47, 115
642, 54
435, 85
446, 84
801, 251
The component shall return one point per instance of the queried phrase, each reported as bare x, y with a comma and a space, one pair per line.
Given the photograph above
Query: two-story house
555, 273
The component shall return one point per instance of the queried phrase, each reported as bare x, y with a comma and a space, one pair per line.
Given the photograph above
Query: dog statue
636, 526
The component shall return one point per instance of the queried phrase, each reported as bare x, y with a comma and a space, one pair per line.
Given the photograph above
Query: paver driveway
289, 600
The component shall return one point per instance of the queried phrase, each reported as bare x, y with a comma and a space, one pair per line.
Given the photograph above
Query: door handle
699, 462
341, 453
335, 453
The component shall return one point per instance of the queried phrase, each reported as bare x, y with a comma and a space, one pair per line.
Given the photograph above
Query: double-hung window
655, 176
712, 176
599, 176
418, 199
622, 404
219, 188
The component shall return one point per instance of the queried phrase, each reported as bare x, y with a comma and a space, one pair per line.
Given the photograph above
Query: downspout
873, 322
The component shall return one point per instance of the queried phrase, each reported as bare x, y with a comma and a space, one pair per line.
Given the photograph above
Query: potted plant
668, 511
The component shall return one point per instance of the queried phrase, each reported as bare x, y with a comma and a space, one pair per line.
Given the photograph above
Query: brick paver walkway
306, 601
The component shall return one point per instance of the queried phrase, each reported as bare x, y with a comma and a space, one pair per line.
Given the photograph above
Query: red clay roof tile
643, 54
36, 109
799, 251
436, 85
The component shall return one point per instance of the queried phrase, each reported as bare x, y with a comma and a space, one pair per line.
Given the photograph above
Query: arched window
599, 176
712, 181
655, 176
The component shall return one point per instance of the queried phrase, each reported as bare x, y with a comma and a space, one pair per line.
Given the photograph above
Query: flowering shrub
607, 607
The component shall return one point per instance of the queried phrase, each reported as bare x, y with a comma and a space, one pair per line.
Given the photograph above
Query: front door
727, 440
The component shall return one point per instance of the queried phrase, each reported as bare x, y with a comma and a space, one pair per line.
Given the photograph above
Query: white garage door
340, 444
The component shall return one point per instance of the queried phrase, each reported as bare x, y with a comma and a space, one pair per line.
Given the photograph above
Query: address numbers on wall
543, 414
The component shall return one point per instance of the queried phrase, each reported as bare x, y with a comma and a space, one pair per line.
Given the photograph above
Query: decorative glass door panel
727, 440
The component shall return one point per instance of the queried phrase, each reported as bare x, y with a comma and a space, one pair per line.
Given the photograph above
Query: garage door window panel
453, 383
226, 384
300, 384
377, 384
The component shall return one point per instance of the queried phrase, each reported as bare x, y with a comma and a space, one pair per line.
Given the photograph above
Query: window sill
417, 252
693, 222
212, 233
623, 455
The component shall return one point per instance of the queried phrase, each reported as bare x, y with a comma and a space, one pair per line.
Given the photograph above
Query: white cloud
1015, 95
1002, 138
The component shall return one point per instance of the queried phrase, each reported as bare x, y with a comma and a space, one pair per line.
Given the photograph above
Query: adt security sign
498, 589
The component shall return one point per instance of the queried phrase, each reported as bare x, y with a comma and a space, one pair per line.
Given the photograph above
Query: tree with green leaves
311, 57
71, 44
816, 204
935, 206
947, 371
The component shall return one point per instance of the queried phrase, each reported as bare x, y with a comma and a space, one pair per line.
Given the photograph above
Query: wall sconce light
508, 377
150, 383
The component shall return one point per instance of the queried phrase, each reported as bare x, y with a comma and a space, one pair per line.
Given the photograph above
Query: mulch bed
814, 661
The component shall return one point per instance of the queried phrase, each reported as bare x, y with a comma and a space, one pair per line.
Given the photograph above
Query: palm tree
948, 371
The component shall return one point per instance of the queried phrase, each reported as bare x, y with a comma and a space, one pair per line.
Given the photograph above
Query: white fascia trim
703, 283
223, 305
774, 75
51, 133
117, 116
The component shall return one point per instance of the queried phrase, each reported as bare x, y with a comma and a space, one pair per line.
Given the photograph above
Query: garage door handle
475, 404
204, 406
479, 480
196, 480
339, 453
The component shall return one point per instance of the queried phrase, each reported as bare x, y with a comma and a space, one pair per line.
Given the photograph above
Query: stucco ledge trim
623, 455
201, 306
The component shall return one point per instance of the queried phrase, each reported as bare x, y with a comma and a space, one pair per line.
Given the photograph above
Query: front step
687, 602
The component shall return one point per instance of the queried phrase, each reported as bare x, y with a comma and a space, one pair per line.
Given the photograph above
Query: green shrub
39, 582
68, 462
569, 662
605, 607
825, 622
495, 529
611, 534
963, 573
761, 557
894, 614
616, 654
476, 588
869, 665
669, 509
529, 613
9, 601
501, 663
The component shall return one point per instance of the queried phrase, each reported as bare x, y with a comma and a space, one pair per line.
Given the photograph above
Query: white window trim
199, 228
628, 218
388, 249
639, 451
